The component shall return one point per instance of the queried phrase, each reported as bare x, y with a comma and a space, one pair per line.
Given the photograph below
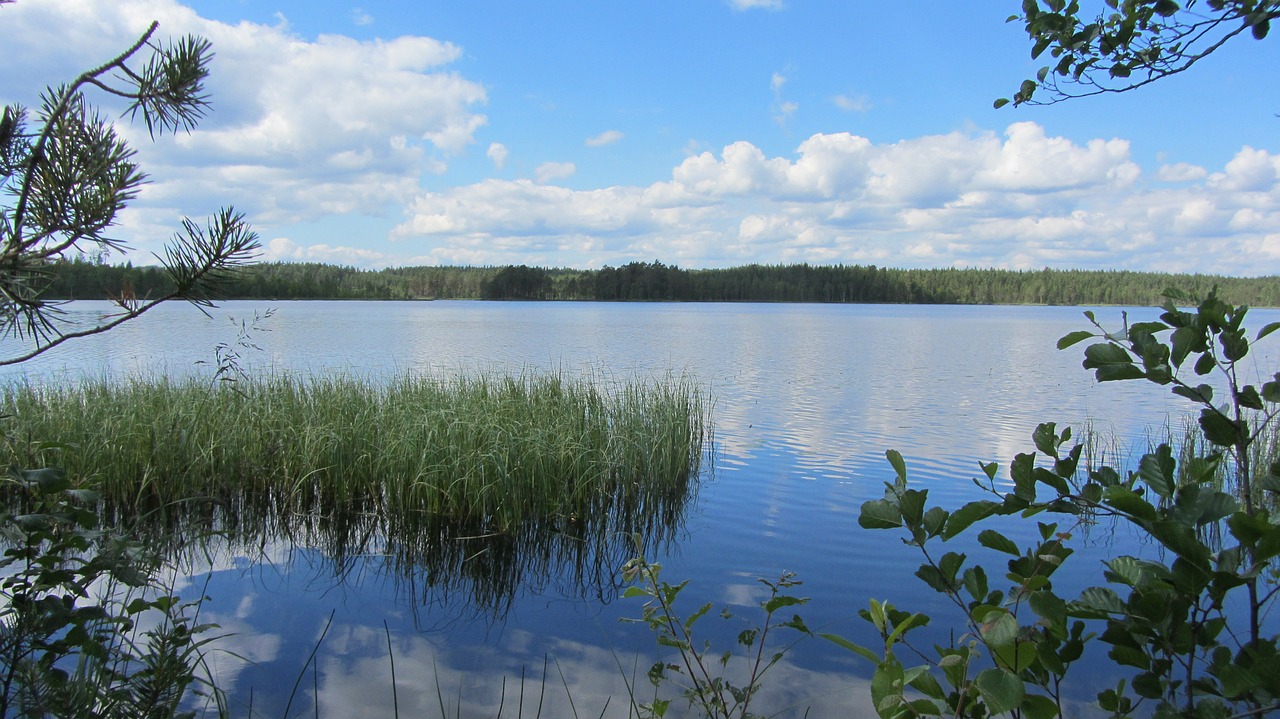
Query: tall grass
464, 472
1197, 460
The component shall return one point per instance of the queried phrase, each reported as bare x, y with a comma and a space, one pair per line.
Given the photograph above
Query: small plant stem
391, 655
310, 658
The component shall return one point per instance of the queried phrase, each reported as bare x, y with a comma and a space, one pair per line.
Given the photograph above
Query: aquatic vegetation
473, 483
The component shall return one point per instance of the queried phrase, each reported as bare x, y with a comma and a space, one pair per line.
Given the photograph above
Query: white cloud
549, 171
497, 152
300, 129
782, 109
1020, 199
283, 249
1249, 170
360, 17
608, 137
1181, 172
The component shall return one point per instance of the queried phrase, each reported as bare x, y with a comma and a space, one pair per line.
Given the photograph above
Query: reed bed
481, 454
1183, 435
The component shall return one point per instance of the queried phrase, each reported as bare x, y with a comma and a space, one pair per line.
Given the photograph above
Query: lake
806, 399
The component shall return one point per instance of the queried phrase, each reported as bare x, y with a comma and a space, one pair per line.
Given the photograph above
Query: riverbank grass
485, 452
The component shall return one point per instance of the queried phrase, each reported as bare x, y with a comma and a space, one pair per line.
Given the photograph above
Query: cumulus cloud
1249, 170
497, 152
549, 171
300, 129
1020, 199
608, 137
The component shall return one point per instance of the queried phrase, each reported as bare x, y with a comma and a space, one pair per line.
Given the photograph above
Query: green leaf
1237, 681
1000, 103
1234, 345
911, 507
1077, 337
1046, 438
1014, 656
899, 466
999, 628
780, 601
1183, 341
1111, 363
886, 686
855, 648
1249, 397
975, 582
880, 514
934, 520
1049, 607
1271, 390
1001, 690
927, 685
1128, 501
994, 540
1201, 393
906, 625
1035, 706
1156, 470
1219, 429
1205, 364
1148, 686
1098, 599
48, 480
1272, 327
1182, 540
934, 577
1212, 506
1261, 29
1131, 571
963, 518
688, 623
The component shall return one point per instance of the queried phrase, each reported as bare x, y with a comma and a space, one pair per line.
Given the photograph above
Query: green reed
1190, 450
485, 453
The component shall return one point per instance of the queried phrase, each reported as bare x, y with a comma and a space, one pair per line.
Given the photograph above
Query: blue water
806, 399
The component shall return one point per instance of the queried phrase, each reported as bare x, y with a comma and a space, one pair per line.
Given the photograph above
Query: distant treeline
650, 281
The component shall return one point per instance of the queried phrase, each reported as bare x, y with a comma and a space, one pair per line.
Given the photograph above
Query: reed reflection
463, 492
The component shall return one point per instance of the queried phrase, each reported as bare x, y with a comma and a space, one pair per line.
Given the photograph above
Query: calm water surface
806, 400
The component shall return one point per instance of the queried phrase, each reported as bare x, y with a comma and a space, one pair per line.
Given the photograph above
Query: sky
697, 133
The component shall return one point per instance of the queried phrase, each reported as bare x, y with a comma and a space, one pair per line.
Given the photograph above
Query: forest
83, 278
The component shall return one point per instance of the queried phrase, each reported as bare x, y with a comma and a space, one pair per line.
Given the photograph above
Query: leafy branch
1131, 44
709, 690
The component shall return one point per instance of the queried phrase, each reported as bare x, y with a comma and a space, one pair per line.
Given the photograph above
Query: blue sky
703, 133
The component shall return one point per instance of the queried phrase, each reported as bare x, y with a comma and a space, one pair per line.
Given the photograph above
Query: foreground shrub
86, 626
1185, 627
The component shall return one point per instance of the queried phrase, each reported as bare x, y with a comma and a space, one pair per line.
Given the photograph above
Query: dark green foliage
88, 278
518, 283
1128, 44
708, 690
86, 628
